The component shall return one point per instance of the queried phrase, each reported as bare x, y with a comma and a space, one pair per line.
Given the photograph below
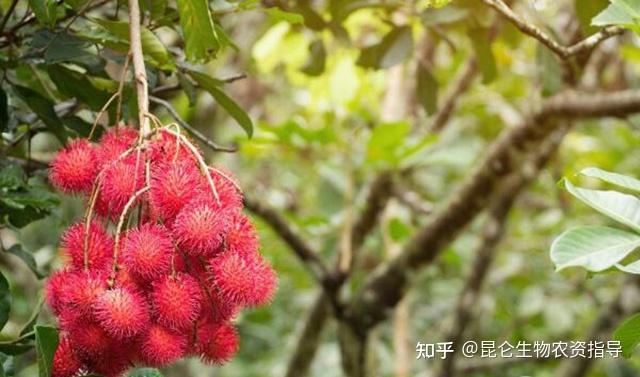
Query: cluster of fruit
168, 285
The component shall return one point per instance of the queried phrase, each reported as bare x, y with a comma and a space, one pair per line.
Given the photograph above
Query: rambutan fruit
176, 301
74, 168
122, 312
242, 238
161, 346
90, 340
121, 180
65, 361
83, 289
247, 281
99, 246
173, 185
167, 148
217, 308
200, 229
216, 343
114, 365
147, 251
114, 143
227, 189
54, 290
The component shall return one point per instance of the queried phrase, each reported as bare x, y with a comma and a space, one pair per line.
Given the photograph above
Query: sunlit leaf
620, 180
615, 205
594, 248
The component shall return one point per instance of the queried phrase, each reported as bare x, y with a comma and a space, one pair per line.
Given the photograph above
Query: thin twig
7, 15
197, 134
564, 52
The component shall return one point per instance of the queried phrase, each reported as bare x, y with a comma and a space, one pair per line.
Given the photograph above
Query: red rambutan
200, 229
121, 180
173, 185
54, 290
161, 346
65, 361
90, 340
176, 301
218, 309
83, 289
122, 312
227, 189
114, 143
242, 238
74, 168
147, 251
244, 280
167, 148
117, 362
99, 246
216, 343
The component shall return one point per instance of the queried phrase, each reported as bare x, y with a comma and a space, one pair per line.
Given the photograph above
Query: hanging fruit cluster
162, 262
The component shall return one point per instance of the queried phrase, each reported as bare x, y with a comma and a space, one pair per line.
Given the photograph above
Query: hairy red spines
147, 251
216, 343
162, 346
245, 280
173, 185
176, 301
65, 361
99, 246
200, 228
74, 168
122, 312
187, 258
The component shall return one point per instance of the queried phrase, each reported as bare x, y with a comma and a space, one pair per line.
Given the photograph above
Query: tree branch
564, 52
139, 70
296, 242
386, 286
461, 84
493, 231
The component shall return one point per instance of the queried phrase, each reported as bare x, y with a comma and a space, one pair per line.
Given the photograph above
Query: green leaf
76, 85
151, 44
595, 248
398, 230
211, 85
156, 8
189, 88
12, 177
46, 344
386, 141
62, 47
394, 48
427, 89
277, 15
631, 268
586, 11
13, 348
613, 204
26, 257
623, 181
27, 331
482, 48
146, 372
624, 13
317, 59
5, 300
44, 10
43, 107
628, 334
201, 40
4, 111
76, 4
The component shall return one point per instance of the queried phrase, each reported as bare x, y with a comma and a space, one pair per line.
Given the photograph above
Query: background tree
406, 153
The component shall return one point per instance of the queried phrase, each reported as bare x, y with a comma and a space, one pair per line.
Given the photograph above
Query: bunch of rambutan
162, 262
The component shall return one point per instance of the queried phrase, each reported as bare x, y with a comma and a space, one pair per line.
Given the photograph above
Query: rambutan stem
139, 70
123, 215
203, 166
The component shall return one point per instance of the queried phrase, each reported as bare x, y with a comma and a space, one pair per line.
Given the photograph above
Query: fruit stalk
139, 70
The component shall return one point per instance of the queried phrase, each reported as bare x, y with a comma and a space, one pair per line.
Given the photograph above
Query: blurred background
340, 92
